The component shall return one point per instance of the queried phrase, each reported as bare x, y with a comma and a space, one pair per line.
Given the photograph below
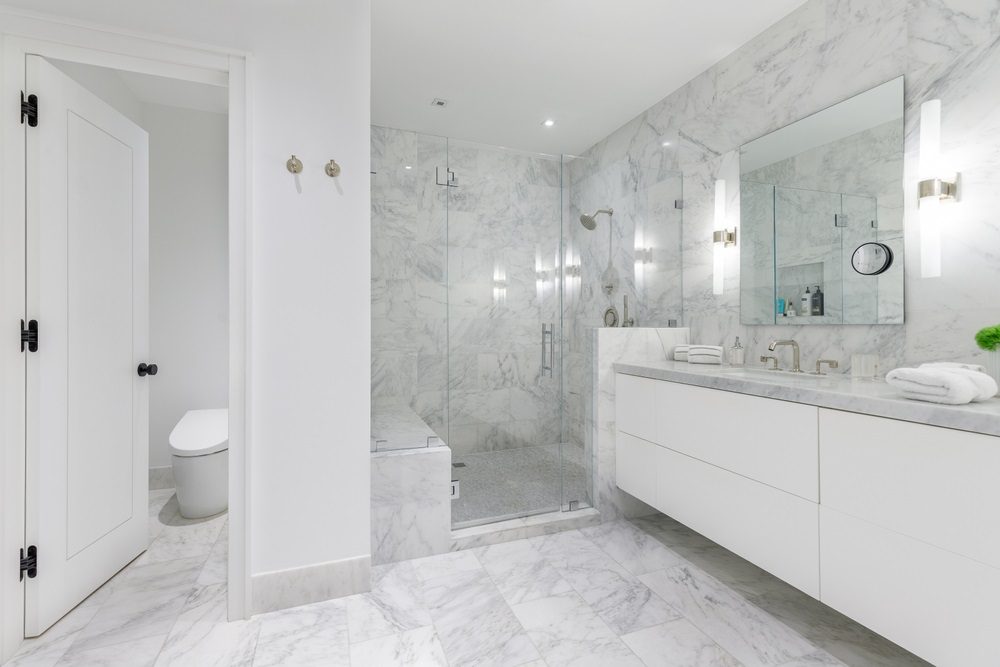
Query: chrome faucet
832, 363
626, 320
796, 368
774, 362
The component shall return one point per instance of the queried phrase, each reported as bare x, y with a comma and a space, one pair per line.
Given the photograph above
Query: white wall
310, 333
188, 267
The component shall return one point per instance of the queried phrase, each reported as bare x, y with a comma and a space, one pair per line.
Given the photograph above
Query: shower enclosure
467, 317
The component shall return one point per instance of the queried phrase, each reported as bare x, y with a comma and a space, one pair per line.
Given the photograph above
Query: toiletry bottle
817, 302
790, 308
781, 307
805, 303
736, 353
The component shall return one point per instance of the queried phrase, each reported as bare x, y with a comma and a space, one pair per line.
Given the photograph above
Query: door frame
24, 33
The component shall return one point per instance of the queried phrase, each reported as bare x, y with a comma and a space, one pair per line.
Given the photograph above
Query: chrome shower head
590, 221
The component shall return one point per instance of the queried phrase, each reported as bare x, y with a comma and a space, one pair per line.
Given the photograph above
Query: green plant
989, 338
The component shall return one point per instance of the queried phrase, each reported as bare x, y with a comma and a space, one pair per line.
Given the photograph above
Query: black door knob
147, 369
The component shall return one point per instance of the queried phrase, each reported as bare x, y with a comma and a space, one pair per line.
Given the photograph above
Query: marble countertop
835, 391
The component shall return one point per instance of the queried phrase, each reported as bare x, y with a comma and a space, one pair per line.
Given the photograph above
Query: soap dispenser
737, 354
817, 302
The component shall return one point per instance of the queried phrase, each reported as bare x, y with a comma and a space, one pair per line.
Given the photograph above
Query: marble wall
824, 52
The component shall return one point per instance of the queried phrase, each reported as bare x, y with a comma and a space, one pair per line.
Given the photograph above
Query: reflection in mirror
816, 197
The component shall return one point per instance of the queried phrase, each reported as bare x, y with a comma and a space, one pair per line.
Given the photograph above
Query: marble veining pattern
643, 592
824, 52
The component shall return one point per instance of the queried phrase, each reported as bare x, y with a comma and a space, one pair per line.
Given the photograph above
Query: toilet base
202, 484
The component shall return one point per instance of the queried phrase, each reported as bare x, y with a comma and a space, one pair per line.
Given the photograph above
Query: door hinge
29, 563
29, 336
29, 109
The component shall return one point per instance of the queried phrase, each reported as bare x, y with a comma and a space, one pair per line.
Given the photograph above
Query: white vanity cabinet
893, 523
674, 451
910, 534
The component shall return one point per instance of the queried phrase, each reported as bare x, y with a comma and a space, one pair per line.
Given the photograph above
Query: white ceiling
505, 66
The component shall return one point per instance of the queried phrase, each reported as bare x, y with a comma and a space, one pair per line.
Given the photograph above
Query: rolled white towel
951, 364
705, 354
681, 352
934, 385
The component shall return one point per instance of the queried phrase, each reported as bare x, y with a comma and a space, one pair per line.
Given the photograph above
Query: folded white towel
934, 385
705, 354
986, 385
681, 352
950, 364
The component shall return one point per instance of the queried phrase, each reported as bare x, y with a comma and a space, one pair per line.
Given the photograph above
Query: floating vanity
883, 508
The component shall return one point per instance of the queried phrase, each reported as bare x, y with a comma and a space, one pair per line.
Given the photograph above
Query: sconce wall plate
332, 169
294, 165
936, 187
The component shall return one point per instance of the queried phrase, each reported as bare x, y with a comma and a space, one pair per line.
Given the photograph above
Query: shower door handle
549, 346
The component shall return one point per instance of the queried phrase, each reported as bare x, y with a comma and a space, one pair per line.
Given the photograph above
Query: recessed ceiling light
665, 144
408, 167
548, 122
438, 102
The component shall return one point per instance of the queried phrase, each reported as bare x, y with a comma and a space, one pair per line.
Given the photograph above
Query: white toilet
199, 448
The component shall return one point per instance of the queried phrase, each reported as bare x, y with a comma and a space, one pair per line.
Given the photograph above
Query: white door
87, 286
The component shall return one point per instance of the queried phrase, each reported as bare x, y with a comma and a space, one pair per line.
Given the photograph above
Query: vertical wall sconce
934, 188
499, 284
722, 238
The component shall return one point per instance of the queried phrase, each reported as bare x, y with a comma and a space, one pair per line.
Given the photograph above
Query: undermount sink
768, 373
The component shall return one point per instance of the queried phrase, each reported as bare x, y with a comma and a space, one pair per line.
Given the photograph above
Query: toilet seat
200, 432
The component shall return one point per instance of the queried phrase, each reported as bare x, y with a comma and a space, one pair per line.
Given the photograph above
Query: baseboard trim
161, 478
283, 589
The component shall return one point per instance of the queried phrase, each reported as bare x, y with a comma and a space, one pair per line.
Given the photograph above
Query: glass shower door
504, 332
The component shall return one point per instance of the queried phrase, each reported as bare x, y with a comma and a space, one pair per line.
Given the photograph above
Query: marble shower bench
410, 487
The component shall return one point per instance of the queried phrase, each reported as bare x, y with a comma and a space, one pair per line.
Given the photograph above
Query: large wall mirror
821, 216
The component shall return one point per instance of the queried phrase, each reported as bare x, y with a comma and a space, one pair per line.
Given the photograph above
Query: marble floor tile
314, 634
35, 653
135, 653
521, 572
624, 602
184, 538
636, 550
417, 648
431, 567
395, 604
216, 569
201, 630
749, 634
566, 631
143, 603
474, 623
819, 659
678, 644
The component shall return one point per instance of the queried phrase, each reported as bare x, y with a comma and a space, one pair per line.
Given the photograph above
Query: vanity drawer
771, 441
635, 467
937, 604
934, 484
634, 406
775, 530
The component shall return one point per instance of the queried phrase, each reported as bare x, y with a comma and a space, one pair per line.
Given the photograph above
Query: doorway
103, 483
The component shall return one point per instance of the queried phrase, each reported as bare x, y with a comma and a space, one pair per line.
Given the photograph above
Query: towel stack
681, 352
705, 354
948, 383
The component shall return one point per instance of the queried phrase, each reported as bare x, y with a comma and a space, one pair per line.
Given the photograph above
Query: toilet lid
200, 432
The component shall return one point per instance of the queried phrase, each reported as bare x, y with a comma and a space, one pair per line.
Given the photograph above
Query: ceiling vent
438, 102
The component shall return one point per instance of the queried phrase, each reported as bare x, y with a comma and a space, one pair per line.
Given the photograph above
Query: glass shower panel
504, 332
808, 247
409, 289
